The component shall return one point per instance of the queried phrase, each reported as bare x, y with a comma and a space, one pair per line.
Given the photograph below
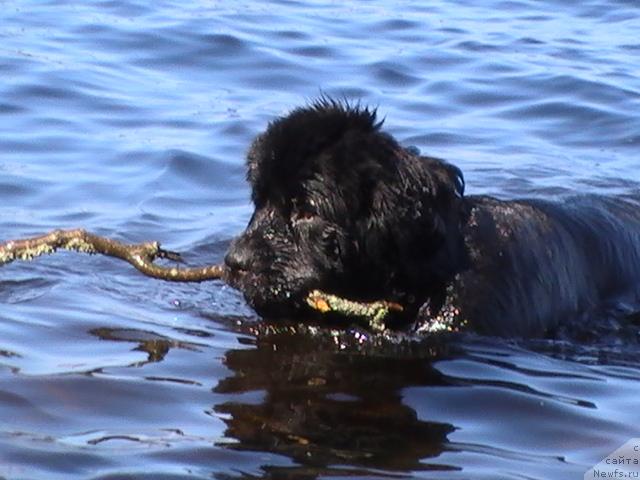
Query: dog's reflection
323, 406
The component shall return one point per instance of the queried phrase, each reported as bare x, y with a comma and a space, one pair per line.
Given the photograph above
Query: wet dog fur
341, 206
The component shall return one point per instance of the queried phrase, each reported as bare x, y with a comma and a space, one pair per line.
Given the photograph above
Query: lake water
132, 119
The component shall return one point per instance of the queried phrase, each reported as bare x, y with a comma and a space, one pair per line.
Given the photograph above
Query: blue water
132, 118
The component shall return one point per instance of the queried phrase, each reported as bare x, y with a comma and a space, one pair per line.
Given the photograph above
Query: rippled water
132, 118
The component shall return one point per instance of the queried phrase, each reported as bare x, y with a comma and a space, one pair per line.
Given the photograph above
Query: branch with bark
141, 256
375, 313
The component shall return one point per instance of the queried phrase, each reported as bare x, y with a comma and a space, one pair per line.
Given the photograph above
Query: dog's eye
302, 212
301, 215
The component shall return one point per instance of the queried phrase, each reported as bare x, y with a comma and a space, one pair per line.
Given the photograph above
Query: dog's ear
413, 215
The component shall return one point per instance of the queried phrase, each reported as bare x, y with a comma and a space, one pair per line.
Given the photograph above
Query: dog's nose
239, 256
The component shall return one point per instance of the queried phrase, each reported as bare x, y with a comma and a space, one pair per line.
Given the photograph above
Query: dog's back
532, 263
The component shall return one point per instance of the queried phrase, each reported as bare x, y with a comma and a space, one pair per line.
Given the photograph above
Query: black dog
340, 206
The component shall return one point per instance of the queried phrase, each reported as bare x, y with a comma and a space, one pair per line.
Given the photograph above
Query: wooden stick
374, 312
141, 256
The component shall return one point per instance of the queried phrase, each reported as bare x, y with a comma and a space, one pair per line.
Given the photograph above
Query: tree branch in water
374, 313
141, 256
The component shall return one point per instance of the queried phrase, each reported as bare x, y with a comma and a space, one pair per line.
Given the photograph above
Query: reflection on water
153, 345
325, 408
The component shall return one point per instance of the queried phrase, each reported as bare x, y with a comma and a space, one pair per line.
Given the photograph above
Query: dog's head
340, 206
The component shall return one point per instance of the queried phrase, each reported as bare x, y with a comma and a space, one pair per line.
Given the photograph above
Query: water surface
132, 119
